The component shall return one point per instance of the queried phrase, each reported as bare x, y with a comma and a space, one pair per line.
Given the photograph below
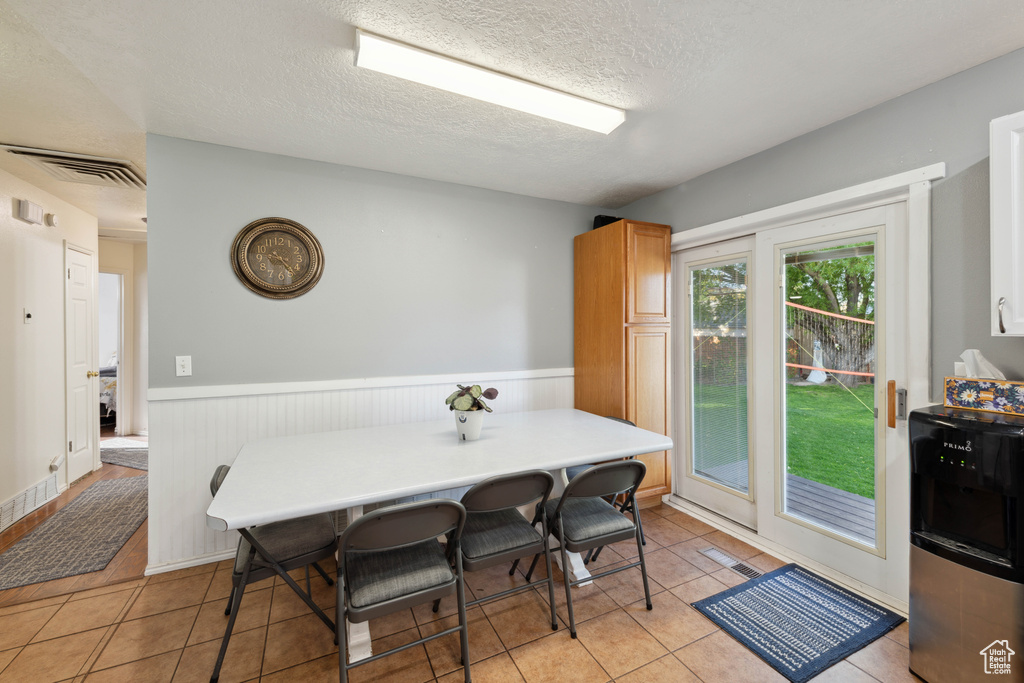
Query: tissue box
990, 395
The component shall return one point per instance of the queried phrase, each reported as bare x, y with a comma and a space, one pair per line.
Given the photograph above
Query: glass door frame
778, 347
734, 504
907, 194
884, 567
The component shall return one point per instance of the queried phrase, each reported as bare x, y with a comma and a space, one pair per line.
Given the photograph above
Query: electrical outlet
183, 366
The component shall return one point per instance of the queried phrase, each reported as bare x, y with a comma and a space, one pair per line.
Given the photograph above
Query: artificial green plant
469, 398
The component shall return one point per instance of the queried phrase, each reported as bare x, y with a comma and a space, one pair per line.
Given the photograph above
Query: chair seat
571, 472
292, 538
379, 576
498, 531
586, 518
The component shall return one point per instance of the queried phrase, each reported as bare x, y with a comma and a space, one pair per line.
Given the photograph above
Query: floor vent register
730, 563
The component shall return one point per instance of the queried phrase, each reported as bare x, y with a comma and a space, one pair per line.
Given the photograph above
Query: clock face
277, 258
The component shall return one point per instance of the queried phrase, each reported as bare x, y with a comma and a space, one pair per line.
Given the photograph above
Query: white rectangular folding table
293, 476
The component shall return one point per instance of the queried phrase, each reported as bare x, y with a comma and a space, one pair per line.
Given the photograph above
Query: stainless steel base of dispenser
956, 614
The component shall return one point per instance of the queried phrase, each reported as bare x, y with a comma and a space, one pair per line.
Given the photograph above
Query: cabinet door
648, 399
1007, 228
648, 269
599, 302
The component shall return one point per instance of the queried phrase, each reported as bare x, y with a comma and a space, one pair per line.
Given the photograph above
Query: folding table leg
359, 645
577, 571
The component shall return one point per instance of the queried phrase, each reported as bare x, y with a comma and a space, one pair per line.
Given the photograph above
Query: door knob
92, 373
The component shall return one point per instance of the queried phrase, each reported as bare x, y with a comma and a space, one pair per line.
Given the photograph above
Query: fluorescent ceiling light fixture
396, 59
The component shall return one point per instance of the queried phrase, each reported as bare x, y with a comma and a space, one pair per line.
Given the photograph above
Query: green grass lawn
829, 432
830, 436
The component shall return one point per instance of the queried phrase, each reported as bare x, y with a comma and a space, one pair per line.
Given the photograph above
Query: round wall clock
277, 258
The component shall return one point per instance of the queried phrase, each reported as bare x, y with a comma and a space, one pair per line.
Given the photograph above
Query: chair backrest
508, 491
218, 478
622, 476
406, 524
619, 419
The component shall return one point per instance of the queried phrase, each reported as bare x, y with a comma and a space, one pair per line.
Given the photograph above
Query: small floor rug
122, 442
796, 621
136, 458
84, 536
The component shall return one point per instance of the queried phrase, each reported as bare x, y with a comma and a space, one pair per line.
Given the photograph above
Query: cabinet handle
1002, 328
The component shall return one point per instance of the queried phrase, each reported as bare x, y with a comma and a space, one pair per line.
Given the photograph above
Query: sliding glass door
791, 337
718, 471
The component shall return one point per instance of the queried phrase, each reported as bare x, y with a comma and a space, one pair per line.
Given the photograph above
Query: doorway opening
110, 352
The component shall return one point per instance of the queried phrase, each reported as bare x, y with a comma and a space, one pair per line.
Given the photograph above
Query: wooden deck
832, 508
837, 510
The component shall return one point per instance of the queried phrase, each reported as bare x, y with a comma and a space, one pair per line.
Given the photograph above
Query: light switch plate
183, 366
29, 212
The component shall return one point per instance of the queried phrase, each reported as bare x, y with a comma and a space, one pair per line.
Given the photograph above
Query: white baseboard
189, 563
751, 537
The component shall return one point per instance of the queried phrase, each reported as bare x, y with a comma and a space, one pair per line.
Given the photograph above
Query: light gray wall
420, 277
947, 121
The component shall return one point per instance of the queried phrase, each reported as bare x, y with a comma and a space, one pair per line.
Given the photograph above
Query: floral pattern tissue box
991, 395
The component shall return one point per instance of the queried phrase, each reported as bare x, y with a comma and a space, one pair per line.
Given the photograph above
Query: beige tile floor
168, 628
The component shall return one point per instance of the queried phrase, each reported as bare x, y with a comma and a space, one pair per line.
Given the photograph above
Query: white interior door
715, 400
81, 364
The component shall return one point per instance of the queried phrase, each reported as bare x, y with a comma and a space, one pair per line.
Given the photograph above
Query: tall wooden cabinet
622, 315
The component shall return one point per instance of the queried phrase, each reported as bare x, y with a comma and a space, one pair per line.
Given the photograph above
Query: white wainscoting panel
189, 437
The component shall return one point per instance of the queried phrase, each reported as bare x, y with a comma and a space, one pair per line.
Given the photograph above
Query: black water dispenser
967, 539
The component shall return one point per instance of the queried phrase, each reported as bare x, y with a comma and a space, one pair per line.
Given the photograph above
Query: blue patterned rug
796, 621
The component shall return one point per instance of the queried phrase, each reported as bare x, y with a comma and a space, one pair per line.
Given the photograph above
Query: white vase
468, 423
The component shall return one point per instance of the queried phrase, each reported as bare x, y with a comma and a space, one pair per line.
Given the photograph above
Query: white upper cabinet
1006, 168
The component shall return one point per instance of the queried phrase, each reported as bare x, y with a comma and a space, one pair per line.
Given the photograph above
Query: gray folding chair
497, 532
625, 506
583, 519
390, 560
275, 549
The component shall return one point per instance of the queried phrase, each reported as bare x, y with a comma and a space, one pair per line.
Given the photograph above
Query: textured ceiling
705, 82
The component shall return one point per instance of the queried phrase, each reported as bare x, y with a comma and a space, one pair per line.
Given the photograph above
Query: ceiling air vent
82, 168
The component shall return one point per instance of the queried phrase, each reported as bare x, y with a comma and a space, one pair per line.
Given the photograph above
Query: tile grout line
111, 629
266, 629
59, 606
858, 669
681, 662
97, 650
505, 648
270, 616
202, 601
